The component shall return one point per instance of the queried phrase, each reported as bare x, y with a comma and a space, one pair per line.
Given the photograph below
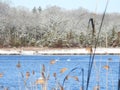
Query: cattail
33, 72
55, 75
67, 77
43, 75
40, 81
106, 67
1, 75
52, 61
63, 70
27, 75
18, 65
92, 24
43, 68
75, 78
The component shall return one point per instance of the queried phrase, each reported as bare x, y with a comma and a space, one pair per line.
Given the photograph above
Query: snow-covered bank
47, 51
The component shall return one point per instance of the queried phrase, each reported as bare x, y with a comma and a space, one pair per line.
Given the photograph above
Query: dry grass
63, 70
1, 75
27, 75
18, 65
89, 49
52, 61
42, 82
106, 67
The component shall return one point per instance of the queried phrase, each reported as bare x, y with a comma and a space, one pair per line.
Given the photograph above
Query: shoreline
58, 51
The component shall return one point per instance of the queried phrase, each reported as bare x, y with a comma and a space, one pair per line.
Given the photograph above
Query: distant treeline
55, 27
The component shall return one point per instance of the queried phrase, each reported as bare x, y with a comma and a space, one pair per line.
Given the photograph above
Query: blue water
13, 80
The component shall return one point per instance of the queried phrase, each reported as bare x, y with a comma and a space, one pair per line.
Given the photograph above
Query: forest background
55, 27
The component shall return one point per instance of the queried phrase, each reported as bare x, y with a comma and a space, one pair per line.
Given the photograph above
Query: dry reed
106, 67
63, 70
1, 75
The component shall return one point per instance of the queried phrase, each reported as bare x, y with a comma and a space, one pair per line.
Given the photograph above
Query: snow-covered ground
58, 51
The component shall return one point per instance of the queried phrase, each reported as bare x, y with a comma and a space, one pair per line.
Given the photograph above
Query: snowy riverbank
47, 51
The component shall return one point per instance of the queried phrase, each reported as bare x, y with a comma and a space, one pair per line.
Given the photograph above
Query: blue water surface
14, 78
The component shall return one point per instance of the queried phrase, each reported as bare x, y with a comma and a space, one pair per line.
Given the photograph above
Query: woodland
56, 27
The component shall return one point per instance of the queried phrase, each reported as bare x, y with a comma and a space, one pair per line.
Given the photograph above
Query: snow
59, 51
